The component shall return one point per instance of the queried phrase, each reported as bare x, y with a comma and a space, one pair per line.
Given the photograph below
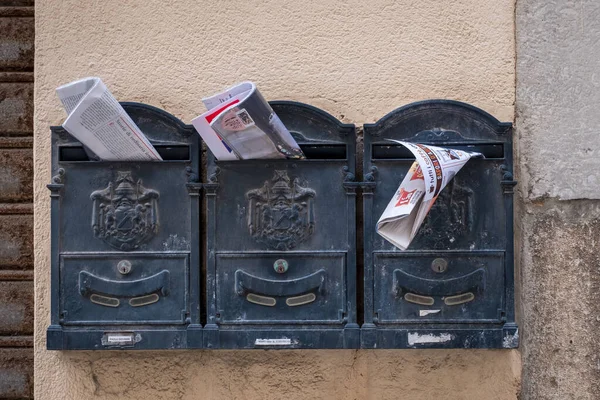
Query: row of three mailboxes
182, 253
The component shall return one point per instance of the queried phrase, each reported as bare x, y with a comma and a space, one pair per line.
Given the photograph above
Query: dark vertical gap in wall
359, 228
16, 198
203, 255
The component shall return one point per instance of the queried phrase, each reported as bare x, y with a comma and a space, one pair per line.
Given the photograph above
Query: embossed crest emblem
281, 213
454, 210
125, 214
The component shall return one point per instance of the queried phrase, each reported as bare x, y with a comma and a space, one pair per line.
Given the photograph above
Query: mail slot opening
399, 152
173, 153
324, 151
167, 152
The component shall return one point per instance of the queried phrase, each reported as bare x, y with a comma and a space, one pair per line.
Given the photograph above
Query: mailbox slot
125, 255
174, 152
281, 262
399, 152
324, 152
454, 286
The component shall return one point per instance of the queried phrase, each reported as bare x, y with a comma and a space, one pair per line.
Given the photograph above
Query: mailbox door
254, 289
291, 212
125, 258
124, 288
437, 287
453, 286
281, 266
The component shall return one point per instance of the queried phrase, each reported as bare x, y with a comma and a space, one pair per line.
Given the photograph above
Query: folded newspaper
241, 125
429, 174
98, 121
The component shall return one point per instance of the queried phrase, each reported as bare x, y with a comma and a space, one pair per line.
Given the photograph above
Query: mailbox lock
439, 265
280, 266
124, 267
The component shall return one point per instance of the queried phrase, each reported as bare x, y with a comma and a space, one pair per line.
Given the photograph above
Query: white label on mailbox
273, 342
423, 313
119, 338
416, 338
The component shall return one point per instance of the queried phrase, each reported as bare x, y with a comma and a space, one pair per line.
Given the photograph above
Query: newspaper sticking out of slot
241, 125
100, 123
433, 169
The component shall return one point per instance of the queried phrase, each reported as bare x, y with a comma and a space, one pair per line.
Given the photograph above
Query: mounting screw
124, 267
280, 266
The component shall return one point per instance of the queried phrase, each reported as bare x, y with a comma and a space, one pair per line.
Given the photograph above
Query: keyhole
124, 267
439, 265
280, 266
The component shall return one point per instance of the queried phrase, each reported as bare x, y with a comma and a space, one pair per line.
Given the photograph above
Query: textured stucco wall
558, 118
355, 59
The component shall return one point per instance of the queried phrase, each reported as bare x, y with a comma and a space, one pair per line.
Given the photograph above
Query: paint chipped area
416, 338
176, 243
511, 341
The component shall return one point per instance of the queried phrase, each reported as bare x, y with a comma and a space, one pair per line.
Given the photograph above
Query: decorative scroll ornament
59, 177
348, 176
372, 176
125, 214
281, 213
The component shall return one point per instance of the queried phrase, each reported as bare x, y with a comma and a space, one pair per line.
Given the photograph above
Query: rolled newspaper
98, 121
427, 177
241, 125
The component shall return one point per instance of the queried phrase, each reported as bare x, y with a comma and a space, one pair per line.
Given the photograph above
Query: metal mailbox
281, 237
125, 267
454, 286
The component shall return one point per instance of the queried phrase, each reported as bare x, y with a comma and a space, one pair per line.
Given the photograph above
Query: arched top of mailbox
439, 121
158, 125
310, 124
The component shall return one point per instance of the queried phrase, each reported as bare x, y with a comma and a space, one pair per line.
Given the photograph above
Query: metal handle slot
459, 299
105, 301
89, 284
261, 300
245, 283
300, 300
474, 281
144, 300
417, 299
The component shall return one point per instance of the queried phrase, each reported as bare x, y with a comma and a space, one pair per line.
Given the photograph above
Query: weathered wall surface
356, 59
16, 196
558, 98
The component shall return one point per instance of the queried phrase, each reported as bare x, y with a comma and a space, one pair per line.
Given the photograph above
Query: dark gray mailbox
281, 261
125, 254
453, 286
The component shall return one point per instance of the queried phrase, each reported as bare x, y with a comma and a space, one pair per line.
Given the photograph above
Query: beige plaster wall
356, 59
